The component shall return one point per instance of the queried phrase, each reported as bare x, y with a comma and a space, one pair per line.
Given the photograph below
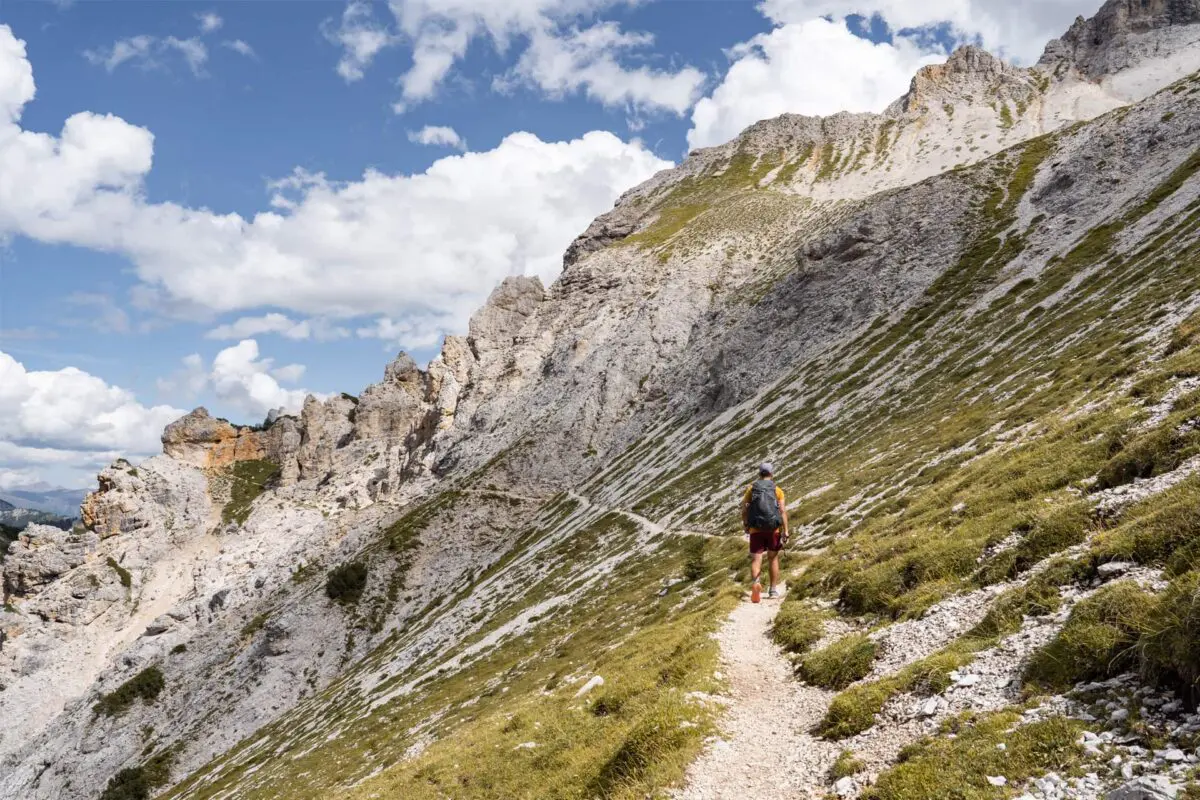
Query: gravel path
765, 751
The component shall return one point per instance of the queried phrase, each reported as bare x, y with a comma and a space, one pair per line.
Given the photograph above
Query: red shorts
766, 541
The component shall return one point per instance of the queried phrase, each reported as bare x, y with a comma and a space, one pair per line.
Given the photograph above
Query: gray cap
766, 468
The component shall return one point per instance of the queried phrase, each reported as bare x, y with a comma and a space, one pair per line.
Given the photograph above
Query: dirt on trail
764, 750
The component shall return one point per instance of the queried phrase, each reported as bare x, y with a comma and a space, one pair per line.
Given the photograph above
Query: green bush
840, 664
347, 582
128, 784
797, 627
1035, 599
139, 783
1097, 641
1063, 527
853, 711
147, 685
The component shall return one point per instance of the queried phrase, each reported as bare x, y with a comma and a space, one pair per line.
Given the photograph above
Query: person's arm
746, 512
783, 513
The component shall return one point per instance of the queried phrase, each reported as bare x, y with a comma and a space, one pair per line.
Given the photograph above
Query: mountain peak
1107, 42
970, 70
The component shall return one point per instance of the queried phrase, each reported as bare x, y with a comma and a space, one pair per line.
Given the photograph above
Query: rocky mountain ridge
793, 295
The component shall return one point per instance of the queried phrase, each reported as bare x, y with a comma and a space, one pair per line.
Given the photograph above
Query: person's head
765, 470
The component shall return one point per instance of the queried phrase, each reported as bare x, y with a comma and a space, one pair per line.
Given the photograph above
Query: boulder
1147, 787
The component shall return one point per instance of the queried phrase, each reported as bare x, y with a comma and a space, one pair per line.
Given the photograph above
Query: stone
997, 780
160, 626
844, 787
1147, 787
1113, 569
594, 682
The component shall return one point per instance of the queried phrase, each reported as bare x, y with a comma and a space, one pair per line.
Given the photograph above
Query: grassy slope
998, 416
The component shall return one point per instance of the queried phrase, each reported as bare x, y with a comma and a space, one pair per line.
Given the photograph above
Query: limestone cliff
887, 304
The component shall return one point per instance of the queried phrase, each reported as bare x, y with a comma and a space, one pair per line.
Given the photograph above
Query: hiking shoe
772, 593
756, 592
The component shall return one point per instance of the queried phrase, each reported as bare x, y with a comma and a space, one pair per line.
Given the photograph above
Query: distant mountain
45, 497
19, 518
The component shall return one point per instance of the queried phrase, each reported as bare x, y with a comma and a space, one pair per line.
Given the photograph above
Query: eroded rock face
1109, 41
203, 441
41, 554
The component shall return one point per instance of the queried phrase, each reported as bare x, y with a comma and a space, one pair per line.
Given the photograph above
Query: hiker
765, 521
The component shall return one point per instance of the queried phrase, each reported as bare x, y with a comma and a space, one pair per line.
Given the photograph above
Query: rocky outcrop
970, 74
203, 441
41, 554
1119, 36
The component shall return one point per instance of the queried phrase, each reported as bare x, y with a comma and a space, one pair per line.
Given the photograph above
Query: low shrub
1096, 642
346, 583
139, 783
797, 627
847, 660
147, 685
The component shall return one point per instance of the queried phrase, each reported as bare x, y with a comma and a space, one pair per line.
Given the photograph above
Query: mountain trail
764, 751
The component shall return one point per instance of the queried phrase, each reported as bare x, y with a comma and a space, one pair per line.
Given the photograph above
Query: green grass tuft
847, 660
247, 480
797, 627
845, 766
1096, 642
958, 767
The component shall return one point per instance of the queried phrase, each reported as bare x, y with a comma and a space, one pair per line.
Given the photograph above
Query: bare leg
774, 563
755, 567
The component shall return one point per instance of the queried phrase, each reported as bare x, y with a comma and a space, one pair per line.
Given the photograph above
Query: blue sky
234, 204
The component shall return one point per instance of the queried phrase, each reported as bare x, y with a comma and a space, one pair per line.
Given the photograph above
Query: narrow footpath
764, 751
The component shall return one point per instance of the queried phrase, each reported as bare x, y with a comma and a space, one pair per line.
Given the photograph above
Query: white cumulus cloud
250, 383
439, 135
379, 246
68, 409
564, 50
585, 60
361, 38
815, 67
240, 378
209, 21
1018, 29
